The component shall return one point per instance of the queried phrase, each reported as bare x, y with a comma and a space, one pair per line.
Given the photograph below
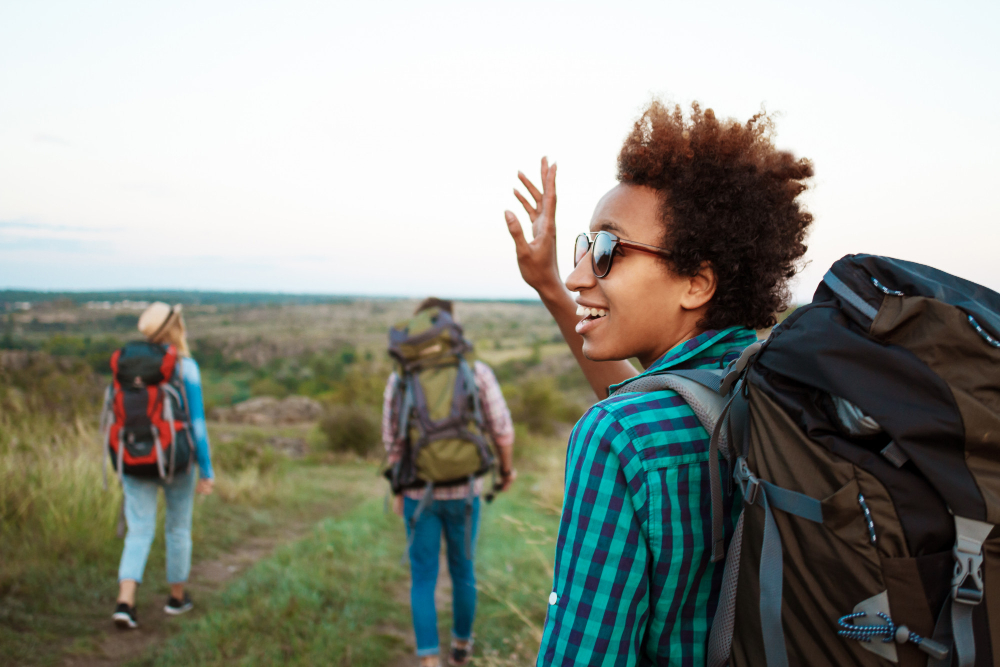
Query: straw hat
158, 318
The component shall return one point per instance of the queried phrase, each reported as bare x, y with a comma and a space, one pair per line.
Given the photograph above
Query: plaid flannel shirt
496, 416
633, 583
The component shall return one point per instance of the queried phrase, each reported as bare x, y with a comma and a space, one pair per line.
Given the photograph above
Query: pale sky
371, 148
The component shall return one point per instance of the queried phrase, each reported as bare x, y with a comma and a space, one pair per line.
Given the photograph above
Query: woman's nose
582, 276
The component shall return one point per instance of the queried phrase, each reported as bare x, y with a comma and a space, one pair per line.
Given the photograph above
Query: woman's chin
595, 351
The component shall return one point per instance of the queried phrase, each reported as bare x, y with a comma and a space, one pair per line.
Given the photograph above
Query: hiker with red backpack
846, 470
153, 426
446, 430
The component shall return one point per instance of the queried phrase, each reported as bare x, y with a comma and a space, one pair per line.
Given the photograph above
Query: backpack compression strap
954, 624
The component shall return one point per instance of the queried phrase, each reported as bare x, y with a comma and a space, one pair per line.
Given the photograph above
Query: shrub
268, 387
248, 451
537, 404
353, 429
360, 387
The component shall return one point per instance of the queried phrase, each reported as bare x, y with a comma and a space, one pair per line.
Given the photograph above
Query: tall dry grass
53, 505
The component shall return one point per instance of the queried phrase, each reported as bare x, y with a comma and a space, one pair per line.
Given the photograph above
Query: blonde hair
162, 323
175, 334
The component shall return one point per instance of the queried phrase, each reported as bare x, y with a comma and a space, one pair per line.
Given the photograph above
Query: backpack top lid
430, 338
912, 279
140, 364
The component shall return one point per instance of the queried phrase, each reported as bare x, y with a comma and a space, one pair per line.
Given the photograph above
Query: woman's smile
591, 318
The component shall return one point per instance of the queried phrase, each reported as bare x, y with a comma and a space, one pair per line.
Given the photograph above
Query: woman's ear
700, 289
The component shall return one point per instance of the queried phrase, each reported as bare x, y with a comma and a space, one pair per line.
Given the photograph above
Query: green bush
353, 429
536, 403
39, 383
245, 452
268, 387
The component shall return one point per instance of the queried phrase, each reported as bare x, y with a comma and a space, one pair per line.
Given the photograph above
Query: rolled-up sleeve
389, 420
496, 414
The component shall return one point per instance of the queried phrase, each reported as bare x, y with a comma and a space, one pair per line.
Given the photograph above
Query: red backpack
145, 421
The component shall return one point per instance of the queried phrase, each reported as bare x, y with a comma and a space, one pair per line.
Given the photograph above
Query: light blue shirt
196, 411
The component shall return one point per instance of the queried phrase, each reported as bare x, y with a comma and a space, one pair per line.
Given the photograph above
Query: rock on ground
270, 411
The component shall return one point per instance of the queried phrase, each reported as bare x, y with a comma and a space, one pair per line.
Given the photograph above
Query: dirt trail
112, 647
342, 491
117, 647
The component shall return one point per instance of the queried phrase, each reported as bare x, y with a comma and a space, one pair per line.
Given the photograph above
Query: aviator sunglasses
605, 244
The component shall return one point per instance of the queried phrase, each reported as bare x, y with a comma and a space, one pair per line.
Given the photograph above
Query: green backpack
440, 426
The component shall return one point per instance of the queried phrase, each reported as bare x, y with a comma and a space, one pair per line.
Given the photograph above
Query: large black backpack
865, 436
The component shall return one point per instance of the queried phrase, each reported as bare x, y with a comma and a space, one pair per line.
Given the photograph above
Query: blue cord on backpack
890, 632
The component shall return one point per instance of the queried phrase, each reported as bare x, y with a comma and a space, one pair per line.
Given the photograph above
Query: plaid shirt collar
691, 349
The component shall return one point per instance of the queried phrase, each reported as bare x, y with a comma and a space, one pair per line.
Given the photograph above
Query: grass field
295, 560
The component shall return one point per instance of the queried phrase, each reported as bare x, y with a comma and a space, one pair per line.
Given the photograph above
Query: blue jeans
140, 515
439, 516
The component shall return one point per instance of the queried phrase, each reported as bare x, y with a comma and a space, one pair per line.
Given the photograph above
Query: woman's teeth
583, 311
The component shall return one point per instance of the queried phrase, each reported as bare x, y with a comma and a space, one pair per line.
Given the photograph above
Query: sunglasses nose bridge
580, 256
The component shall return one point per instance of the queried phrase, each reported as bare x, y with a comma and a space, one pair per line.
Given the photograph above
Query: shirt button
553, 597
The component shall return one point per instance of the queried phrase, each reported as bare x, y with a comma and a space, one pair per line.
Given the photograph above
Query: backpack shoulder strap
404, 390
699, 388
471, 391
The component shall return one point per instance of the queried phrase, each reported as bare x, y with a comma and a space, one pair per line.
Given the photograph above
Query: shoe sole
177, 611
124, 621
452, 662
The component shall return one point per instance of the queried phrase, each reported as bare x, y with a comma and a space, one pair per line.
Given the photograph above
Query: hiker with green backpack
827, 496
447, 433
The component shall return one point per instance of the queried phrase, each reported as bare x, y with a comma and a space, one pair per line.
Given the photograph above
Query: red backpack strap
169, 363
117, 404
114, 364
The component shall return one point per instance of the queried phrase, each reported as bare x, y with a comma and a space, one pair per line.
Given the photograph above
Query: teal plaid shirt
633, 582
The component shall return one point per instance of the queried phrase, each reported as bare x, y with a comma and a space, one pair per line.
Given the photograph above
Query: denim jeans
447, 516
141, 495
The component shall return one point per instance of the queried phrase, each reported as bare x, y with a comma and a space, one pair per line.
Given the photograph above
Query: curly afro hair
729, 199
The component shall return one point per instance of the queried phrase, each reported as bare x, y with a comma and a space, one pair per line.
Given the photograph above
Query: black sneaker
124, 617
460, 655
176, 607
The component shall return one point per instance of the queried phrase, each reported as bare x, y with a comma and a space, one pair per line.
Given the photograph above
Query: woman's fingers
516, 233
532, 190
531, 210
549, 183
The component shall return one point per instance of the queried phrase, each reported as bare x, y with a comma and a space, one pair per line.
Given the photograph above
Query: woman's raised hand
537, 258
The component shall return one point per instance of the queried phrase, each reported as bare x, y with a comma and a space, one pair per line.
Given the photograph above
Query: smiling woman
684, 258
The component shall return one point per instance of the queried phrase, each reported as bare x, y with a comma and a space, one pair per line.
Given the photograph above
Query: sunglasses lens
604, 250
582, 246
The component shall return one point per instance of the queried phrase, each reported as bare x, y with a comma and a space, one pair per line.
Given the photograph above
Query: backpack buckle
748, 481
967, 582
968, 566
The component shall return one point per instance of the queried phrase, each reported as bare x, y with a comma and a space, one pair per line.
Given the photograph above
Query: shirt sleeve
389, 419
196, 412
599, 604
496, 414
